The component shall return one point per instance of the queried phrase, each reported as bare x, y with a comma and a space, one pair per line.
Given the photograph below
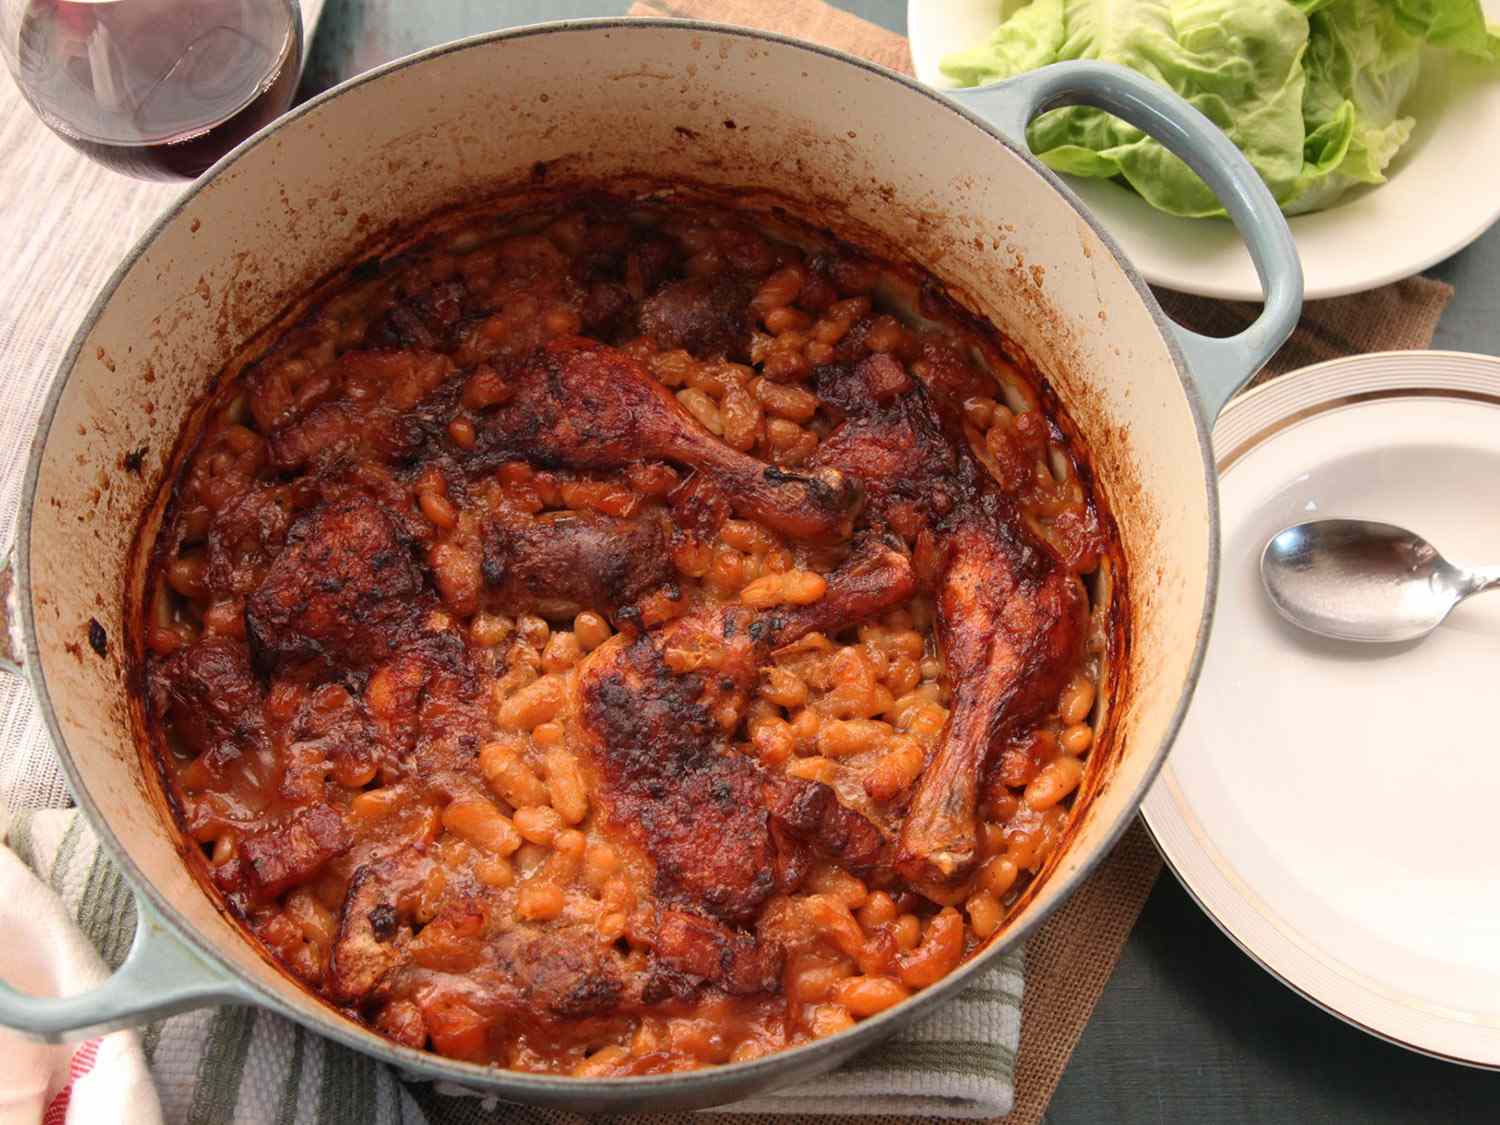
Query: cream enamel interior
593, 101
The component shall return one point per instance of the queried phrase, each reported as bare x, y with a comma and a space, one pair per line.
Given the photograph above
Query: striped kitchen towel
239, 1064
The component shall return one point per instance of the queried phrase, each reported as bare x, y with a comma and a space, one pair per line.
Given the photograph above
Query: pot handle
1218, 367
161, 975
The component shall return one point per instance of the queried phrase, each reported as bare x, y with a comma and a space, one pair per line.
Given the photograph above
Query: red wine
159, 89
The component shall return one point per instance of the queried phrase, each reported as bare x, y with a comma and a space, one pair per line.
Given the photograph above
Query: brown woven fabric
1068, 963
1070, 958
1398, 316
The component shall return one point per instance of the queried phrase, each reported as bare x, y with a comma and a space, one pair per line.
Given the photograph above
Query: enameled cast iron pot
852, 146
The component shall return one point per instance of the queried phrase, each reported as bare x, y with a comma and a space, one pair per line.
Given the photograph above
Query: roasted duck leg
580, 404
724, 833
1010, 627
1010, 618
669, 776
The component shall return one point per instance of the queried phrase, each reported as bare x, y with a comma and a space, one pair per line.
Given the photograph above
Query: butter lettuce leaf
1309, 90
1457, 24
1361, 63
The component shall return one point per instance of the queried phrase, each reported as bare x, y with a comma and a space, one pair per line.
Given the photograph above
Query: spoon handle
1482, 578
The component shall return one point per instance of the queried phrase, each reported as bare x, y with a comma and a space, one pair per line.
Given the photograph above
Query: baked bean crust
614, 639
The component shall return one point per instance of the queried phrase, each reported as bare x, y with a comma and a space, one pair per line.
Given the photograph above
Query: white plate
1335, 807
1440, 195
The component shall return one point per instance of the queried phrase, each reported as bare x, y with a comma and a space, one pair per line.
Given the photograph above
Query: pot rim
426, 1064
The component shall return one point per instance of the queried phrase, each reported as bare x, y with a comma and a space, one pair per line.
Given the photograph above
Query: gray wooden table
1189, 1029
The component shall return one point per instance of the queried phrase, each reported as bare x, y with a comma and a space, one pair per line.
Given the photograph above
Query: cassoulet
627, 636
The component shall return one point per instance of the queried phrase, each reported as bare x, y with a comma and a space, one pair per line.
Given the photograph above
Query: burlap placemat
1395, 317
1070, 958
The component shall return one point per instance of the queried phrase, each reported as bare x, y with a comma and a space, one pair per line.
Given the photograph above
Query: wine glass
158, 89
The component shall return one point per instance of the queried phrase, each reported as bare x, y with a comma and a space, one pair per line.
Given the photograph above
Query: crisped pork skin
276, 859
697, 949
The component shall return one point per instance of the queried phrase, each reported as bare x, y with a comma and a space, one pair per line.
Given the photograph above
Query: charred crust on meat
563, 975
383, 922
666, 767
705, 316
691, 950
559, 565
280, 857
210, 695
98, 638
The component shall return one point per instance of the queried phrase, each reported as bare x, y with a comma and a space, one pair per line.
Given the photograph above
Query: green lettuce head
1309, 90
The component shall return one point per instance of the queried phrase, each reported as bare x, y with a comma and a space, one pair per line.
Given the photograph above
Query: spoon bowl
1358, 580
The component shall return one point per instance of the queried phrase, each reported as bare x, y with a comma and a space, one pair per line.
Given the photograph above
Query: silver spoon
1357, 580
